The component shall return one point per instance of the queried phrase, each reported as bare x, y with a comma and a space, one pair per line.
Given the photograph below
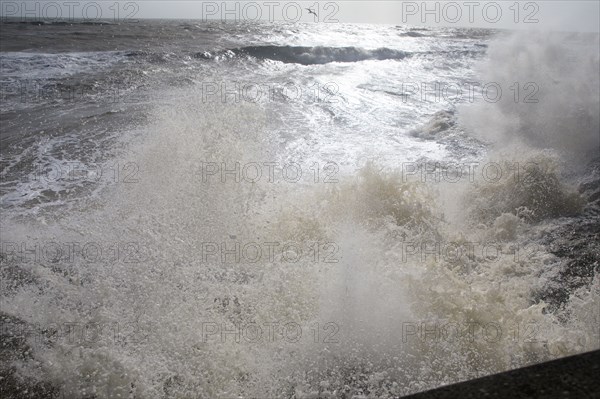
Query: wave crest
316, 55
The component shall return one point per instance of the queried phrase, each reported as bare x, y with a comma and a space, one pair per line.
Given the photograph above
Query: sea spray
422, 283
559, 107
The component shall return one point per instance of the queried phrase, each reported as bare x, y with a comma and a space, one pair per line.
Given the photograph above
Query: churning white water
365, 276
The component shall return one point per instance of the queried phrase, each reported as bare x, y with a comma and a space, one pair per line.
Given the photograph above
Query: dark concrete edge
569, 377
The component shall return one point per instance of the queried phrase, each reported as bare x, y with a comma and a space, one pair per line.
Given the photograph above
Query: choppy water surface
220, 210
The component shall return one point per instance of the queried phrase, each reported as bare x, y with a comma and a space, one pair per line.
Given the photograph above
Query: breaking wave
406, 295
316, 55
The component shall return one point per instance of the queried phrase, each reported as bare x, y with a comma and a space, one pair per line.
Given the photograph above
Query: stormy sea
272, 210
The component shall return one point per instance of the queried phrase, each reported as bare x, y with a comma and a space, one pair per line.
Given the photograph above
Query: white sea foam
386, 309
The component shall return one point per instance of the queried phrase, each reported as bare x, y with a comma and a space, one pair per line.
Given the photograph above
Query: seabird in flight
312, 12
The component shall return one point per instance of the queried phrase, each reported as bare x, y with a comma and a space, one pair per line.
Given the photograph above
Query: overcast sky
553, 15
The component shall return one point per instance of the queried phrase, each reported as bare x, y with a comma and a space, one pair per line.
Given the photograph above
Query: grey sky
547, 15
